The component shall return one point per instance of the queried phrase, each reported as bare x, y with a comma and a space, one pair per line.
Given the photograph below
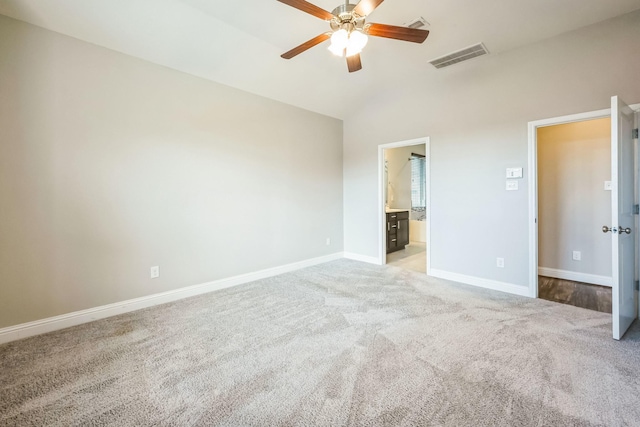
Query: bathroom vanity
397, 229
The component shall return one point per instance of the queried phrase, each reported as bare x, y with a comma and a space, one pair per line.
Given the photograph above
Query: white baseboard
576, 277
363, 258
63, 321
480, 282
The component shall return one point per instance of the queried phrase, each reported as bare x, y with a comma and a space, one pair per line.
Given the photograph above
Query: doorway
403, 206
574, 202
622, 231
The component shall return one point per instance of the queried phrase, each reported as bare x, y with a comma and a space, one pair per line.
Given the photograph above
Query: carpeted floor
344, 343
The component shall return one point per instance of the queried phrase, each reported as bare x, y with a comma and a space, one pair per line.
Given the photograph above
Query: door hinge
636, 284
636, 209
635, 134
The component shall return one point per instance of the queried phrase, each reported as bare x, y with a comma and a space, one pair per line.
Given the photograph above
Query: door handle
614, 230
624, 230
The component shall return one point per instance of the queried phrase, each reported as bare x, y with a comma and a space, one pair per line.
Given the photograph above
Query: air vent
459, 56
417, 23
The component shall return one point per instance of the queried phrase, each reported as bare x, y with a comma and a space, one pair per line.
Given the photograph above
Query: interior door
624, 297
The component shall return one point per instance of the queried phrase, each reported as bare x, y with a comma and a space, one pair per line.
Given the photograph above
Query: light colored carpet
344, 343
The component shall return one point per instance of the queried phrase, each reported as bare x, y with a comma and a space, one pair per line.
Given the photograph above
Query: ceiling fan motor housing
344, 17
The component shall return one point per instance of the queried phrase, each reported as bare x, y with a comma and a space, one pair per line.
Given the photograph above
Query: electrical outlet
577, 256
500, 262
155, 272
328, 241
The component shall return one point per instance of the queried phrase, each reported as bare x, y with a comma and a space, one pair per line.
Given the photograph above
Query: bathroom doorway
404, 204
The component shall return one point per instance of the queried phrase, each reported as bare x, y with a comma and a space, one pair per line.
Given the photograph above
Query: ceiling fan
349, 30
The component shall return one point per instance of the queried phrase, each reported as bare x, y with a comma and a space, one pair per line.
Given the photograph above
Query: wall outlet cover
577, 256
155, 272
500, 262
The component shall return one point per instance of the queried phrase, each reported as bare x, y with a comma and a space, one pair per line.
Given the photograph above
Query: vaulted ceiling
238, 43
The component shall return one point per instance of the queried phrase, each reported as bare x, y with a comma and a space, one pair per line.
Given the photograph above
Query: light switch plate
512, 185
607, 185
514, 172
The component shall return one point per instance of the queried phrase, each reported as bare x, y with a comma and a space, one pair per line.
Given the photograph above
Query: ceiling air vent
416, 23
459, 56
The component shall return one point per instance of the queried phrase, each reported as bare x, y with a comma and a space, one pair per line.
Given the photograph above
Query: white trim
480, 282
427, 212
533, 210
533, 183
575, 276
63, 321
363, 258
382, 236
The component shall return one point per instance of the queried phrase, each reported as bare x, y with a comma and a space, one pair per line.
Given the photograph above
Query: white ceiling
239, 43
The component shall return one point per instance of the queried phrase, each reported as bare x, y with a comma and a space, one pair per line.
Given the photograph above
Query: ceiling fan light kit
349, 31
345, 43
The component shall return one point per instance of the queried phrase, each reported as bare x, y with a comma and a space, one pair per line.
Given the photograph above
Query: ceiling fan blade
414, 35
311, 9
365, 7
354, 63
306, 45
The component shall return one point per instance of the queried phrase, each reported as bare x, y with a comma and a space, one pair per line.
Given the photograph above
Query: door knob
624, 230
606, 229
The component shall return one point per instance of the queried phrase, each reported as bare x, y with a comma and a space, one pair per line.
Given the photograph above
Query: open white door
624, 297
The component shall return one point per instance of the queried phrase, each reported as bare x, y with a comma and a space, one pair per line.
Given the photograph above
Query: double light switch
512, 175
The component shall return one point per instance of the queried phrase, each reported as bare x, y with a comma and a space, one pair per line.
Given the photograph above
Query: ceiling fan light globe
340, 39
352, 51
336, 50
357, 40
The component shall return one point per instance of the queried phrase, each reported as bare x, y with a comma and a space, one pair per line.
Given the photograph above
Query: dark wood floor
585, 295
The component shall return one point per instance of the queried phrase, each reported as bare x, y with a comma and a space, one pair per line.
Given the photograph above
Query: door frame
533, 181
382, 235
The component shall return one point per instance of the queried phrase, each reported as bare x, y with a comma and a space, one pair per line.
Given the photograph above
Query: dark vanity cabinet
397, 230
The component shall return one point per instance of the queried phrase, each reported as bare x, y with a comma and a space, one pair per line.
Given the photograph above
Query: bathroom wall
399, 175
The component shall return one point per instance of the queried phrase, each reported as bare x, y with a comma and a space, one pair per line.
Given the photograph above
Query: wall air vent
459, 56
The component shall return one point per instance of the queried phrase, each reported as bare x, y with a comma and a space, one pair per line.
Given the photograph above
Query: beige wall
110, 165
574, 160
476, 116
